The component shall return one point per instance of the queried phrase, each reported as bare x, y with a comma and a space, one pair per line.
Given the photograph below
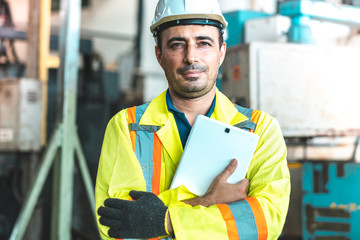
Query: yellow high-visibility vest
141, 151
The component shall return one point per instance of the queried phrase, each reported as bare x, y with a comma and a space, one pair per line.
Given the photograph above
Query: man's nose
190, 55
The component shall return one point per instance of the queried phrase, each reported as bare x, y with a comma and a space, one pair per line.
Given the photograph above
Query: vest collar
157, 113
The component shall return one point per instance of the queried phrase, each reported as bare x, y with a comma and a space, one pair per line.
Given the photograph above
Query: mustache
194, 66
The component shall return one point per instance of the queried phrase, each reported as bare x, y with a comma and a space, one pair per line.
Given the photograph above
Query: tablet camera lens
227, 130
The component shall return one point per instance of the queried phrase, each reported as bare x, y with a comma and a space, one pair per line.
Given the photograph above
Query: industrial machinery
312, 90
20, 114
309, 89
302, 11
331, 209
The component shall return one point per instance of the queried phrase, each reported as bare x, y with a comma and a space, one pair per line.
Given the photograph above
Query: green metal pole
68, 73
34, 193
85, 174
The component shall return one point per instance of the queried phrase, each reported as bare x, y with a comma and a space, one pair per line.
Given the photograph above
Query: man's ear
222, 52
158, 55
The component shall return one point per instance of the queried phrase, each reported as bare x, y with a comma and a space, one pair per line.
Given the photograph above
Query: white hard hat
184, 12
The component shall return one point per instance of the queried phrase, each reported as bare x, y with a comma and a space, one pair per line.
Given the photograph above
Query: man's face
191, 56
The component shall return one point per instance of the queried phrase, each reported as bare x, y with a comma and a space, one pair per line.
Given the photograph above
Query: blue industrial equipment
331, 200
236, 25
302, 11
235, 30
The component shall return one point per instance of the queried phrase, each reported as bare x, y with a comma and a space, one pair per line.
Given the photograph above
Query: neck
193, 107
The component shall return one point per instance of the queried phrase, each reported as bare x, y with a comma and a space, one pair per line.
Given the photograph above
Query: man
143, 145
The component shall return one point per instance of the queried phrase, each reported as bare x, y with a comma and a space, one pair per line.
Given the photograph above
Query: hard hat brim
154, 28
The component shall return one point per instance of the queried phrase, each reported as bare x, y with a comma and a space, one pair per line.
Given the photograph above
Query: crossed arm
145, 217
219, 192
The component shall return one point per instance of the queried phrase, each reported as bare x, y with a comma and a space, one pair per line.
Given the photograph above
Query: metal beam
44, 46
32, 61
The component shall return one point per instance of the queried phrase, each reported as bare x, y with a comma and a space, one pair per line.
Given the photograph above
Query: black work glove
142, 218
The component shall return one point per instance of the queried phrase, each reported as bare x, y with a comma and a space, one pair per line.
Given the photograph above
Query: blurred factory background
298, 60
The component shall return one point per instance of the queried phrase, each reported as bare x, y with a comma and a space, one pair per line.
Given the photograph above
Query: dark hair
159, 42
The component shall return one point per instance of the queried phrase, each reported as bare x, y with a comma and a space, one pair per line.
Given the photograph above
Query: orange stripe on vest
259, 217
229, 221
156, 165
156, 155
255, 116
132, 119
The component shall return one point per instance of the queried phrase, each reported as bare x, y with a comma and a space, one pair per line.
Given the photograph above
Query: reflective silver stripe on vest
144, 142
247, 125
147, 128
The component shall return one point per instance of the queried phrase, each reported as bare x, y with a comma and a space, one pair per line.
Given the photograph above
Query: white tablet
209, 149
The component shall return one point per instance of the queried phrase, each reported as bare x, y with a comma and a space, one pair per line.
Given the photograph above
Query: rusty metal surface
311, 90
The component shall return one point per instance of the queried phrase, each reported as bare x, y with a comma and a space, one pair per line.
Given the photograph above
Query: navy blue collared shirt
182, 123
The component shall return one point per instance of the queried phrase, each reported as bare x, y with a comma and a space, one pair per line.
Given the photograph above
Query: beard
191, 87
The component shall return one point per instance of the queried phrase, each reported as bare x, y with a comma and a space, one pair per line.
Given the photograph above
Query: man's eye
204, 44
176, 45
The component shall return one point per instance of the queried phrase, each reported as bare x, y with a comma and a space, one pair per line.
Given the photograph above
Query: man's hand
142, 218
222, 192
